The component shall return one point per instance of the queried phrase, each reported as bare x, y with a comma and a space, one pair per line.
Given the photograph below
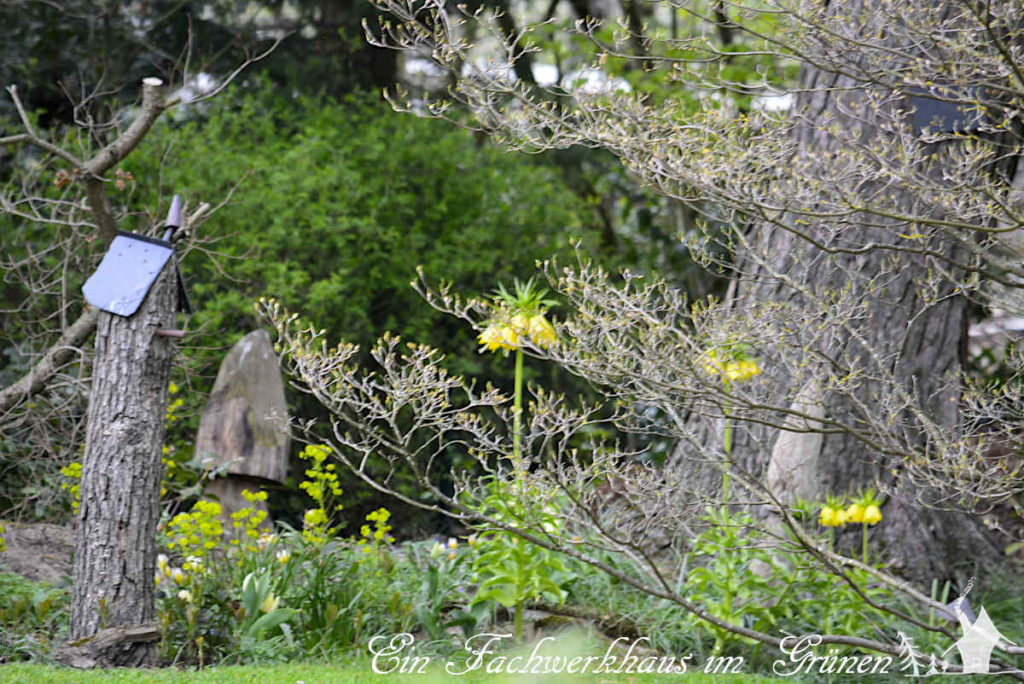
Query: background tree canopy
336, 204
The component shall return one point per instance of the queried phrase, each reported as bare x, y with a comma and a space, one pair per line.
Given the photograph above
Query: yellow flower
832, 517
270, 603
497, 336
872, 515
161, 563
177, 575
541, 331
855, 513
314, 517
736, 366
491, 339
282, 556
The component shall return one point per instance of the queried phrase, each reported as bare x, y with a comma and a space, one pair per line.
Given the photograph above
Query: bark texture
921, 343
115, 546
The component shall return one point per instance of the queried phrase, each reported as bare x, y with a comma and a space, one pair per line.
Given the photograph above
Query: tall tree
859, 227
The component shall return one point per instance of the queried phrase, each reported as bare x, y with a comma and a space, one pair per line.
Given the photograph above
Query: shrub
339, 202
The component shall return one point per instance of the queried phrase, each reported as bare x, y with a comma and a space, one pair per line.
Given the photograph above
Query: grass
309, 673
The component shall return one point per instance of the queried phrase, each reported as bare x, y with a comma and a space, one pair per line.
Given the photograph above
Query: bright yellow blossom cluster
247, 521
511, 335
865, 510
72, 471
831, 516
520, 319
197, 532
173, 404
321, 484
377, 536
733, 365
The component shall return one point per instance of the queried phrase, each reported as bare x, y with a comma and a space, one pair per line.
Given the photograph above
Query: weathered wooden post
245, 424
137, 290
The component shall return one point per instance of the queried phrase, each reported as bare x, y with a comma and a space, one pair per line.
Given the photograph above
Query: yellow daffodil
872, 515
855, 513
177, 574
282, 556
269, 603
161, 563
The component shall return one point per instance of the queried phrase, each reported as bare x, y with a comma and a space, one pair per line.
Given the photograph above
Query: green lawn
329, 674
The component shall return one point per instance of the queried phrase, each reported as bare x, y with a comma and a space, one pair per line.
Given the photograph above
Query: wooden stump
115, 540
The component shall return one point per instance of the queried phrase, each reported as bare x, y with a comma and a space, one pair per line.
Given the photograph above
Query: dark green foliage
339, 203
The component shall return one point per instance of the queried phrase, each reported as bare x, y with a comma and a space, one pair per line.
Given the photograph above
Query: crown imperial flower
520, 318
832, 517
731, 363
855, 513
541, 331
872, 515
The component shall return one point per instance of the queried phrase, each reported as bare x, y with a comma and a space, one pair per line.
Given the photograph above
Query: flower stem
520, 581
517, 422
864, 544
517, 412
728, 452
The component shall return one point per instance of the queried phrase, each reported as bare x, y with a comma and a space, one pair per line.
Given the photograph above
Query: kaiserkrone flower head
833, 513
731, 362
519, 318
865, 509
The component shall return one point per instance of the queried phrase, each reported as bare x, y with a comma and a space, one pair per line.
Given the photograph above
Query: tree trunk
115, 544
925, 342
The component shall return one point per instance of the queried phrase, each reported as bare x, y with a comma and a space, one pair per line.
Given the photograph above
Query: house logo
979, 638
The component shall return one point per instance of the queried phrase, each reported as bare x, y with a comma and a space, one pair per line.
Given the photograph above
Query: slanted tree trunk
115, 544
923, 341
